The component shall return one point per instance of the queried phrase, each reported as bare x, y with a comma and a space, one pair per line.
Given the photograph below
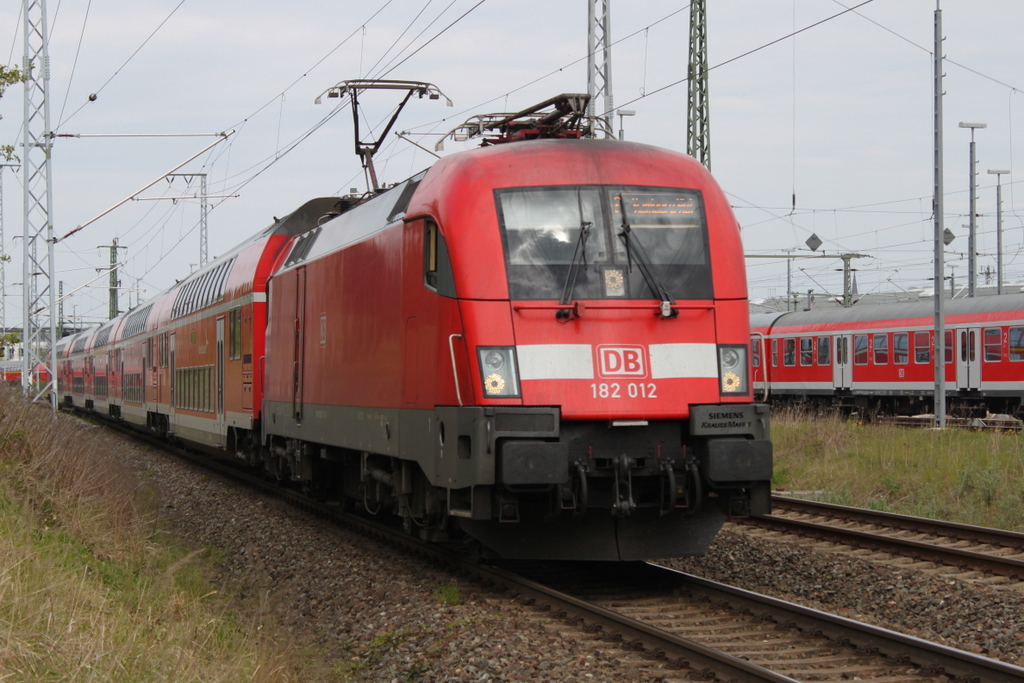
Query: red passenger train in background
540, 345
879, 356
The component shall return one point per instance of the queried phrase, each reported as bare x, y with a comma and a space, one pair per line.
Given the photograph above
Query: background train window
993, 339
775, 353
806, 351
949, 346
900, 348
860, 349
1016, 341
755, 353
789, 351
824, 347
922, 348
881, 344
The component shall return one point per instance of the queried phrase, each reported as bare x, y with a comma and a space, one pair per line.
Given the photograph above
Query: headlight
732, 370
498, 371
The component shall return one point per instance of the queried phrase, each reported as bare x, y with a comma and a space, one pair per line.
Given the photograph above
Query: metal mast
599, 60
939, 366
3, 258
698, 115
39, 329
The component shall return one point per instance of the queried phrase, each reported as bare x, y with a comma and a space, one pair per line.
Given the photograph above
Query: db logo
621, 361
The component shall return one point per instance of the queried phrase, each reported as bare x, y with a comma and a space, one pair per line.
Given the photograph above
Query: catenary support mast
939, 355
698, 117
599, 61
39, 305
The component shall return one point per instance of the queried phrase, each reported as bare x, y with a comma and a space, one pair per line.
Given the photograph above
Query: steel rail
933, 657
967, 532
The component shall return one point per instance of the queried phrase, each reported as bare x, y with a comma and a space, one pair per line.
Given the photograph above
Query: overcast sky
839, 116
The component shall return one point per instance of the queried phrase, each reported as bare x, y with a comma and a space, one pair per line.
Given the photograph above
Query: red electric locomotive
880, 356
541, 345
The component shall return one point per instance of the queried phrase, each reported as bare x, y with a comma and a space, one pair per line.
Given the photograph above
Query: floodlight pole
999, 229
939, 355
972, 251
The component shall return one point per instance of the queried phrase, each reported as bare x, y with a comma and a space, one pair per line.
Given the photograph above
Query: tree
9, 339
9, 75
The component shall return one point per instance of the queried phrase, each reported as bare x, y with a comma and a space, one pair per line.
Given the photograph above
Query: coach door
300, 342
219, 374
842, 370
968, 358
173, 378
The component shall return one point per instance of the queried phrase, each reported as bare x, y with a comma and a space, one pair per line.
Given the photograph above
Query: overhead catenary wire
126, 62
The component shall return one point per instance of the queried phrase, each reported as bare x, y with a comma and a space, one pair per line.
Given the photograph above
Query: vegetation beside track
90, 589
962, 475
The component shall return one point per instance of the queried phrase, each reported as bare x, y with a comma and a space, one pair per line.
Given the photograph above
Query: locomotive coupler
623, 506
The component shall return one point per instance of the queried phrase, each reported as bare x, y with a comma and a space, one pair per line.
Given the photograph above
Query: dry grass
89, 591
962, 475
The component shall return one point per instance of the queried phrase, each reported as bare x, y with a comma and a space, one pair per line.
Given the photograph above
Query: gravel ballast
354, 609
359, 610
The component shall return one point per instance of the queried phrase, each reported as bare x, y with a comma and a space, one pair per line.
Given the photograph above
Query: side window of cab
437, 268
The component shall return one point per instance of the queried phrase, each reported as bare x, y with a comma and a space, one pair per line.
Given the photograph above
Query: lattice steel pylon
599, 60
38, 377
698, 117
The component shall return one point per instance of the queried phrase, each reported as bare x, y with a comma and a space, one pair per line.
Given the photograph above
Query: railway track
680, 626
992, 552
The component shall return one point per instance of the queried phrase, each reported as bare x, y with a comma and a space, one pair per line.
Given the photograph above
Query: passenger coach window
775, 353
806, 351
235, 334
949, 346
900, 348
789, 352
755, 352
993, 339
1016, 341
824, 347
922, 348
860, 349
881, 349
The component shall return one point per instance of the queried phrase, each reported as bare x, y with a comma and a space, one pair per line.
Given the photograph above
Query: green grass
968, 476
90, 589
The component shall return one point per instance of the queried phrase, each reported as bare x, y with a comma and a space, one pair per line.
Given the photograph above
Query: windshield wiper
635, 251
580, 254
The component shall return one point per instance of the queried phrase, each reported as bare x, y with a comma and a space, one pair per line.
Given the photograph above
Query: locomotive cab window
437, 268
604, 242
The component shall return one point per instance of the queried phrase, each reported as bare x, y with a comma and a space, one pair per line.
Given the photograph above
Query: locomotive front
603, 308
